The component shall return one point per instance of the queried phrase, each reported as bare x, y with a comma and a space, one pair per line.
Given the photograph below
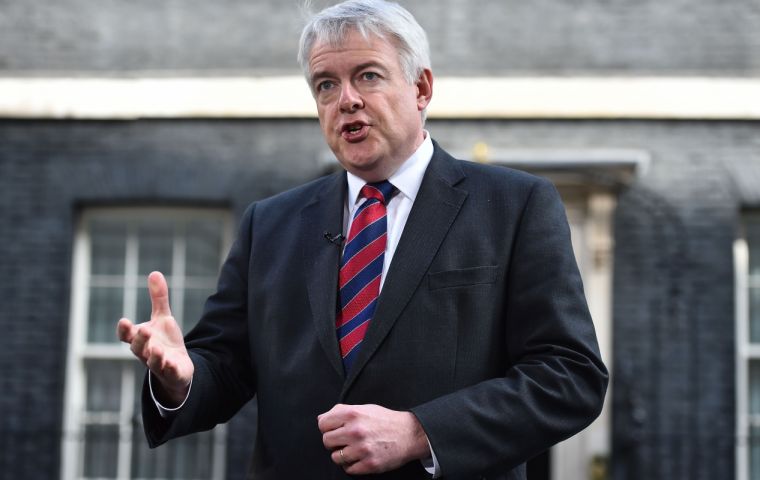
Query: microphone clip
334, 239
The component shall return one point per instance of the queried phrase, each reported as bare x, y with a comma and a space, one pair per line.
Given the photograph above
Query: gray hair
381, 18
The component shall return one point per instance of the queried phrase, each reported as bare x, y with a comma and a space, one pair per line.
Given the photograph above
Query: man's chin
357, 162
367, 170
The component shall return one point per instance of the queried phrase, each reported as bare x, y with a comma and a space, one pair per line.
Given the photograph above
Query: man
429, 322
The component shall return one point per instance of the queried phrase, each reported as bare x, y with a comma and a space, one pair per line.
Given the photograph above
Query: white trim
131, 260
590, 217
71, 454
741, 271
177, 278
617, 165
455, 98
124, 462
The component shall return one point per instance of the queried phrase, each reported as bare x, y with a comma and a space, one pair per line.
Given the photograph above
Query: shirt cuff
166, 412
431, 464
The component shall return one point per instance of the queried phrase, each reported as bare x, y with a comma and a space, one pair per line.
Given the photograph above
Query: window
747, 255
115, 249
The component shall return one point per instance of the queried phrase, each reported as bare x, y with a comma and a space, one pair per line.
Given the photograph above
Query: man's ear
424, 89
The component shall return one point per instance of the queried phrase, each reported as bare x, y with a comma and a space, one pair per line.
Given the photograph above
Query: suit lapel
437, 204
321, 260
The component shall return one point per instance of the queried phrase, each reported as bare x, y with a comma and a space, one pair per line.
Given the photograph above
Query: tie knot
381, 191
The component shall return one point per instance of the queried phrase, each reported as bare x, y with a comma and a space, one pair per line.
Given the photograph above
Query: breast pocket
463, 277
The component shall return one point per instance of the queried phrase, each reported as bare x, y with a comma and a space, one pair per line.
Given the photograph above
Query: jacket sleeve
223, 380
554, 382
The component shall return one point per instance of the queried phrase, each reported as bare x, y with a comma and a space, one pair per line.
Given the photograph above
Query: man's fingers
373, 439
159, 295
341, 456
126, 330
140, 341
156, 360
336, 417
147, 347
336, 438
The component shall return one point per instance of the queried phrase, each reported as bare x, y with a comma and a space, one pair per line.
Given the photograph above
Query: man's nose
350, 99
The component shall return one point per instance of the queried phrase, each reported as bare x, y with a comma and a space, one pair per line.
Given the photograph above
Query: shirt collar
407, 178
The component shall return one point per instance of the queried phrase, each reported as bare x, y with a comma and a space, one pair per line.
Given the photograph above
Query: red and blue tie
361, 269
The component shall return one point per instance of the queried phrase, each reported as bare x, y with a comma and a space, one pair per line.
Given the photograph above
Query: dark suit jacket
481, 330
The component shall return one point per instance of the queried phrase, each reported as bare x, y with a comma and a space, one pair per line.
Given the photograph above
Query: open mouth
354, 132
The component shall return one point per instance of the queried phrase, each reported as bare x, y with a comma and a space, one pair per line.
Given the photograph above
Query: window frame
590, 215
80, 350
746, 350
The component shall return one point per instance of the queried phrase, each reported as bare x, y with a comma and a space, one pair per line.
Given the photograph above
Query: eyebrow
371, 64
319, 75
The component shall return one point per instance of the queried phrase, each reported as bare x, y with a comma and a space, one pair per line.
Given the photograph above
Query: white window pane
156, 241
754, 314
184, 458
754, 387
139, 376
105, 309
752, 225
754, 453
100, 451
143, 304
195, 299
203, 247
108, 238
103, 385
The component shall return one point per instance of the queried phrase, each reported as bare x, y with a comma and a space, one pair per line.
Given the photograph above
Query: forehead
352, 48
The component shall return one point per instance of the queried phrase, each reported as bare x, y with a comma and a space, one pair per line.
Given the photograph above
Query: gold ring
342, 458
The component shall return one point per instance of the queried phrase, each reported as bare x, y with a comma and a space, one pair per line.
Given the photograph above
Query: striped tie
361, 268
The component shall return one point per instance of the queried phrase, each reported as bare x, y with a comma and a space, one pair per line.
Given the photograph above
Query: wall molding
669, 98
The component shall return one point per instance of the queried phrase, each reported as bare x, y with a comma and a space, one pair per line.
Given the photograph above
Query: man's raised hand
158, 343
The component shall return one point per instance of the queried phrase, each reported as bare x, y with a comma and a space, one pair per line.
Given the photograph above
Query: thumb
159, 295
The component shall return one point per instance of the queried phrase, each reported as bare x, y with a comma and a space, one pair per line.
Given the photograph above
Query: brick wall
468, 37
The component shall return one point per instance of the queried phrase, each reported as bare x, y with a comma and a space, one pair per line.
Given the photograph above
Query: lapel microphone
334, 239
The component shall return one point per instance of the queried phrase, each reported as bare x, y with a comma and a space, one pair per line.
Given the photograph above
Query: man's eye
326, 85
369, 76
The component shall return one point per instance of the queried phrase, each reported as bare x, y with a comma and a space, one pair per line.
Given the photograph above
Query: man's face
369, 113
